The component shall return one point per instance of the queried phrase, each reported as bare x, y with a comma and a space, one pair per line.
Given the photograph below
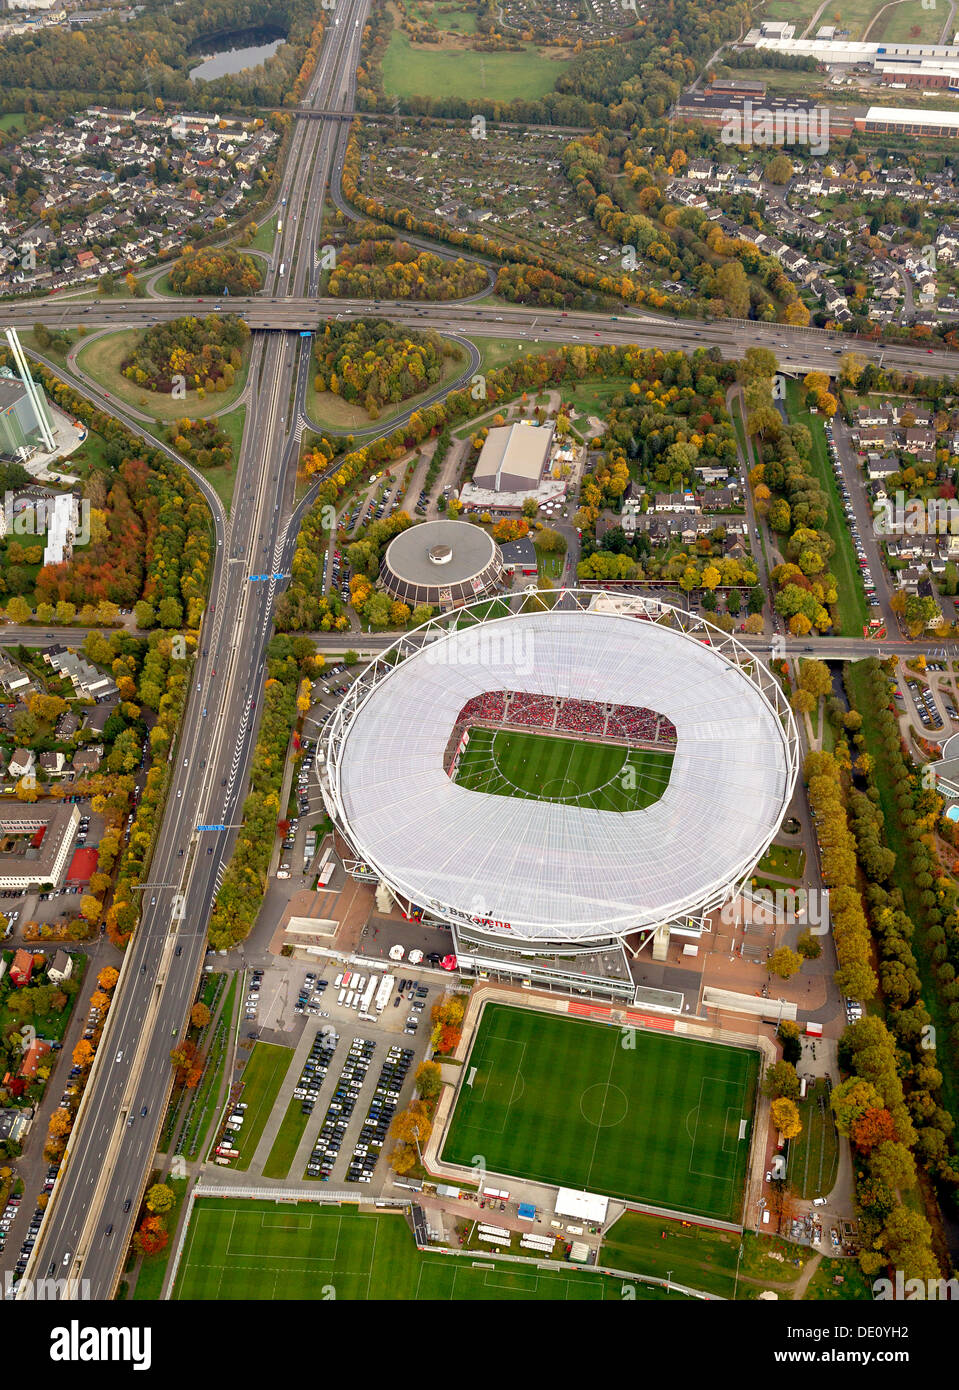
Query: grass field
285, 1144
911, 22
102, 357
260, 1250
646, 1116
332, 412
262, 1079
152, 1271
814, 1154
696, 1256
414, 70
851, 606
786, 861
542, 767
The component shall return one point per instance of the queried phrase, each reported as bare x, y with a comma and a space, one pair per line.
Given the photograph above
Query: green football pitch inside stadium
239, 1249
646, 1116
542, 767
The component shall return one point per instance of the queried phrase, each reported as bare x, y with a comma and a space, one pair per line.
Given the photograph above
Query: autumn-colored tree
851, 1099
784, 962
108, 977
199, 1014
99, 999
428, 1081
785, 1117
412, 1125
82, 1054
871, 1128
61, 1123
160, 1198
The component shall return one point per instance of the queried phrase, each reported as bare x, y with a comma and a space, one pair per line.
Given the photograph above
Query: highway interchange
89, 1220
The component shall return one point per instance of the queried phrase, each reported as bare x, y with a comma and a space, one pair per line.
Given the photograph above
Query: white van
341, 996
338, 981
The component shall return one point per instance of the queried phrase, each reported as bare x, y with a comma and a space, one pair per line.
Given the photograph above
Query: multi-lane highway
800, 349
89, 1219
108, 1158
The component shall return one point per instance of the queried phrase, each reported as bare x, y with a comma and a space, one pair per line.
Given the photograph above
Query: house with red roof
21, 968
32, 1058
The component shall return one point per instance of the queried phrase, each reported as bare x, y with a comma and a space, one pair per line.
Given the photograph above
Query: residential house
21, 968
61, 968
87, 760
24, 760
32, 1058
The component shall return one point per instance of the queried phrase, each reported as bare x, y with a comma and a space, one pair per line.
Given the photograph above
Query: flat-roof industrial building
514, 457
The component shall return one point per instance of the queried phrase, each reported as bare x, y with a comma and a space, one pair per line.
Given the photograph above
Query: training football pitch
239, 1249
542, 767
663, 1119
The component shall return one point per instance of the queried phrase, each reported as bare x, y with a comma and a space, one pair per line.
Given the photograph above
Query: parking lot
357, 1037
926, 708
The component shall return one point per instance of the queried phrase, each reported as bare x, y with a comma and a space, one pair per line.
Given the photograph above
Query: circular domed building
441, 563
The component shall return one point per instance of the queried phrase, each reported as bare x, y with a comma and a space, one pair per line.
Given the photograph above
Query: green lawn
542, 767
287, 1140
149, 1285
414, 70
205, 1105
223, 479
460, 21
262, 1079
696, 1256
852, 609
814, 1154
264, 1251
900, 21
565, 1101
786, 861
102, 357
265, 236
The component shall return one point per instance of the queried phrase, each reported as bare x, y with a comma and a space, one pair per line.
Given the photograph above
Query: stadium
549, 777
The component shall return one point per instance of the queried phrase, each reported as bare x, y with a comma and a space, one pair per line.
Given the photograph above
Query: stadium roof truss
551, 873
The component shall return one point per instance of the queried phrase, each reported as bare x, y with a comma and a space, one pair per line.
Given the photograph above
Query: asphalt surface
294, 309
112, 1146
111, 1149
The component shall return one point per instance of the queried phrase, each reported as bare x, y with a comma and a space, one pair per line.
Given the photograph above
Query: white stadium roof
554, 872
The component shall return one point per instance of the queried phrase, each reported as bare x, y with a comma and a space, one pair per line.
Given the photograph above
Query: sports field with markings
240, 1249
650, 1117
542, 767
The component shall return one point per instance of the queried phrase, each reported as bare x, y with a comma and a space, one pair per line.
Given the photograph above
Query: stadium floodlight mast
558, 875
